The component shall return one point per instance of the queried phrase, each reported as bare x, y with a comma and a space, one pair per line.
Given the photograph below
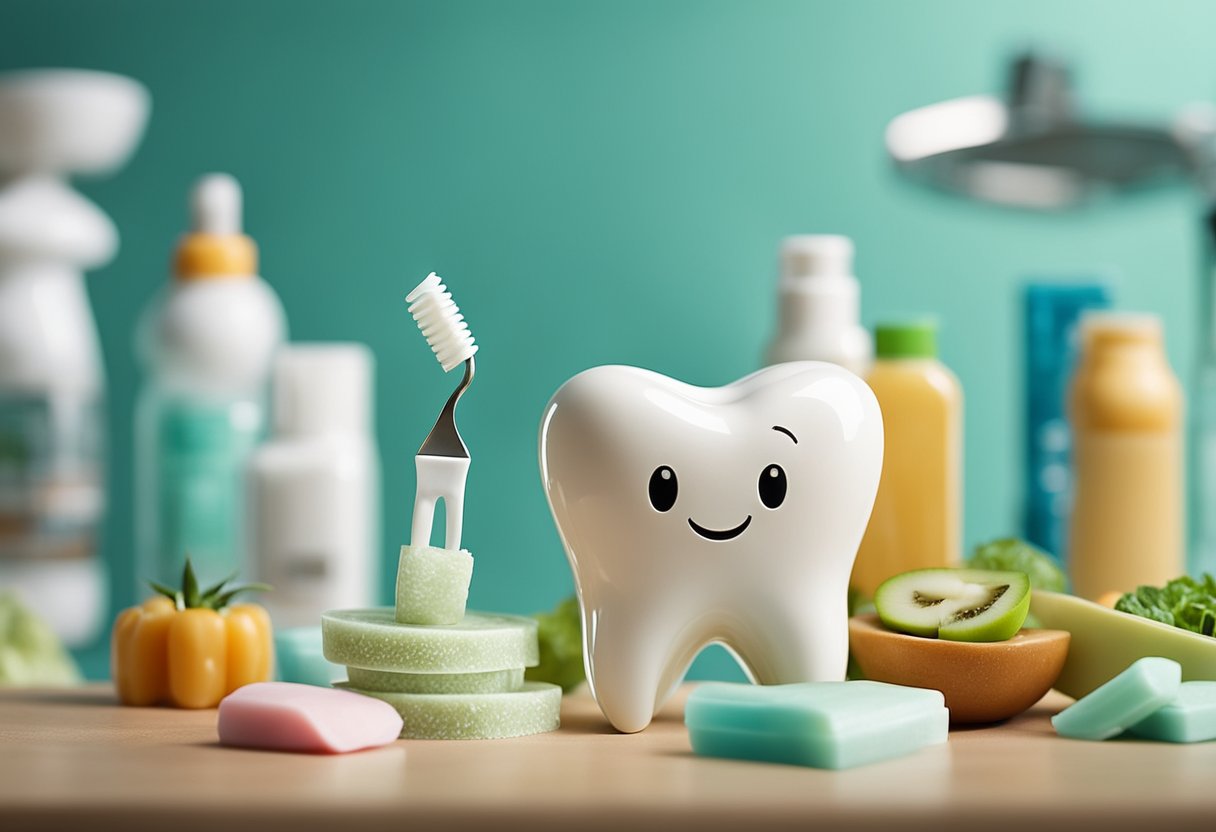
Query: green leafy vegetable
30, 653
1013, 555
1186, 603
560, 633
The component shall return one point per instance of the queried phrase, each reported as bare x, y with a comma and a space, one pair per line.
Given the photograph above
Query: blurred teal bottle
1202, 484
207, 342
1052, 313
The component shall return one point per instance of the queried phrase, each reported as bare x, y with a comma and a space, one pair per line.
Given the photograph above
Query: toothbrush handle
439, 477
453, 506
424, 516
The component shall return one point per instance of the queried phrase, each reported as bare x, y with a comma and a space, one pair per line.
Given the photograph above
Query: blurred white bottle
819, 305
52, 427
207, 342
314, 487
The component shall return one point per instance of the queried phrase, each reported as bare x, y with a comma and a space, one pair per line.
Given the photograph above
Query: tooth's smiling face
768, 492
643, 471
695, 514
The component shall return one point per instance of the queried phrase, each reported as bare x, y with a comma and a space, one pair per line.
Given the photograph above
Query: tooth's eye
663, 488
772, 486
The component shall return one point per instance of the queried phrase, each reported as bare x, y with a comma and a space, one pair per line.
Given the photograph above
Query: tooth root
810, 644
628, 655
635, 659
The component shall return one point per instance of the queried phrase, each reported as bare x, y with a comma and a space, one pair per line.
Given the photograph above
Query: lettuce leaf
30, 653
1013, 555
1187, 603
560, 634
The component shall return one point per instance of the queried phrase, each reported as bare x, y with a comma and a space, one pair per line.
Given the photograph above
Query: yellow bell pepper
189, 648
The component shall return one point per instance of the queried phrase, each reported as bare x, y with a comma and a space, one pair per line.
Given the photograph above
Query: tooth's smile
710, 534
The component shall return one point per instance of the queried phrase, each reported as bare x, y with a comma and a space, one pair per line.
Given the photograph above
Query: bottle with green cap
917, 517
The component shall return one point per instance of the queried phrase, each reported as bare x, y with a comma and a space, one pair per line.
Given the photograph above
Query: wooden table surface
75, 759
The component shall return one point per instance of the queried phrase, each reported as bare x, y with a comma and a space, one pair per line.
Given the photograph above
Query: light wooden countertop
75, 759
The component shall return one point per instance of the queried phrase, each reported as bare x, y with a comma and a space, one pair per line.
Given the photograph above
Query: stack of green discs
451, 674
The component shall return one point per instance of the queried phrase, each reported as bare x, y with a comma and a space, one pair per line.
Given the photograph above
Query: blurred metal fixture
1033, 149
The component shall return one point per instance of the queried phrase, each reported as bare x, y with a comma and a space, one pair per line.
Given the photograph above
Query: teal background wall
604, 182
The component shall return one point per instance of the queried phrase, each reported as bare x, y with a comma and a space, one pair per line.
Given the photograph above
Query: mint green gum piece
298, 657
1191, 717
533, 709
432, 584
372, 639
493, 681
832, 725
1146, 686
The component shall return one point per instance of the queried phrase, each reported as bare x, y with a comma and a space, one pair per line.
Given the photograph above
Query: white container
52, 429
207, 342
819, 305
314, 487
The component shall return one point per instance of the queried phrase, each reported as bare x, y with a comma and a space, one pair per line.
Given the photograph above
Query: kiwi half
955, 604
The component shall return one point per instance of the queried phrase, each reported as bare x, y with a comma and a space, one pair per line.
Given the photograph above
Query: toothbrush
443, 460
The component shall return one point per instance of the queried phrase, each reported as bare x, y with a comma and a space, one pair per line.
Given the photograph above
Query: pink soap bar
281, 716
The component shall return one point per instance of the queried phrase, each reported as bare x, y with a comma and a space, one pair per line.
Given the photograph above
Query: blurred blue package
1052, 310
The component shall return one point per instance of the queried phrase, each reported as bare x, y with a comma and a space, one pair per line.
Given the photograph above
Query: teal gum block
372, 639
1146, 686
1191, 717
432, 584
833, 725
300, 659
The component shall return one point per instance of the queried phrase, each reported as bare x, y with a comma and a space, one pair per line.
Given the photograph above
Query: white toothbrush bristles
439, 318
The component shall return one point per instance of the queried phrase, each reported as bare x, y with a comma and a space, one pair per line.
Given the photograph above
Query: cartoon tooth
694, 515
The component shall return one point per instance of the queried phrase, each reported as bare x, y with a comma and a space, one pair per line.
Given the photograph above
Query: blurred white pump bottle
314, 487
207, 343
819, 305
52, 426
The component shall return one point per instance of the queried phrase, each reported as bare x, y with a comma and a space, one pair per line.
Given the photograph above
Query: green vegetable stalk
1186, 603
216, 597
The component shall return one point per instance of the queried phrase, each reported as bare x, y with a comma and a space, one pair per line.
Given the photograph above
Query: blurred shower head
1034, 150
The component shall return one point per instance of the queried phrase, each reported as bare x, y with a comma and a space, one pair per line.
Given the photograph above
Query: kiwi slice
955, 604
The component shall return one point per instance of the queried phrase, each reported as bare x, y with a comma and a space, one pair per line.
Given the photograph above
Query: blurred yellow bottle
916, 521
1125, 406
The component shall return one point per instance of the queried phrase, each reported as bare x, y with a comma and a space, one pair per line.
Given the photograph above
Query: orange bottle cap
216, 245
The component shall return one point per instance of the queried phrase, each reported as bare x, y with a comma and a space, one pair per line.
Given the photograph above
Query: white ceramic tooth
654, 590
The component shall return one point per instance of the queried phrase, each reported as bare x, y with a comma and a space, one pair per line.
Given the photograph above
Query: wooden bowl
982, 681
